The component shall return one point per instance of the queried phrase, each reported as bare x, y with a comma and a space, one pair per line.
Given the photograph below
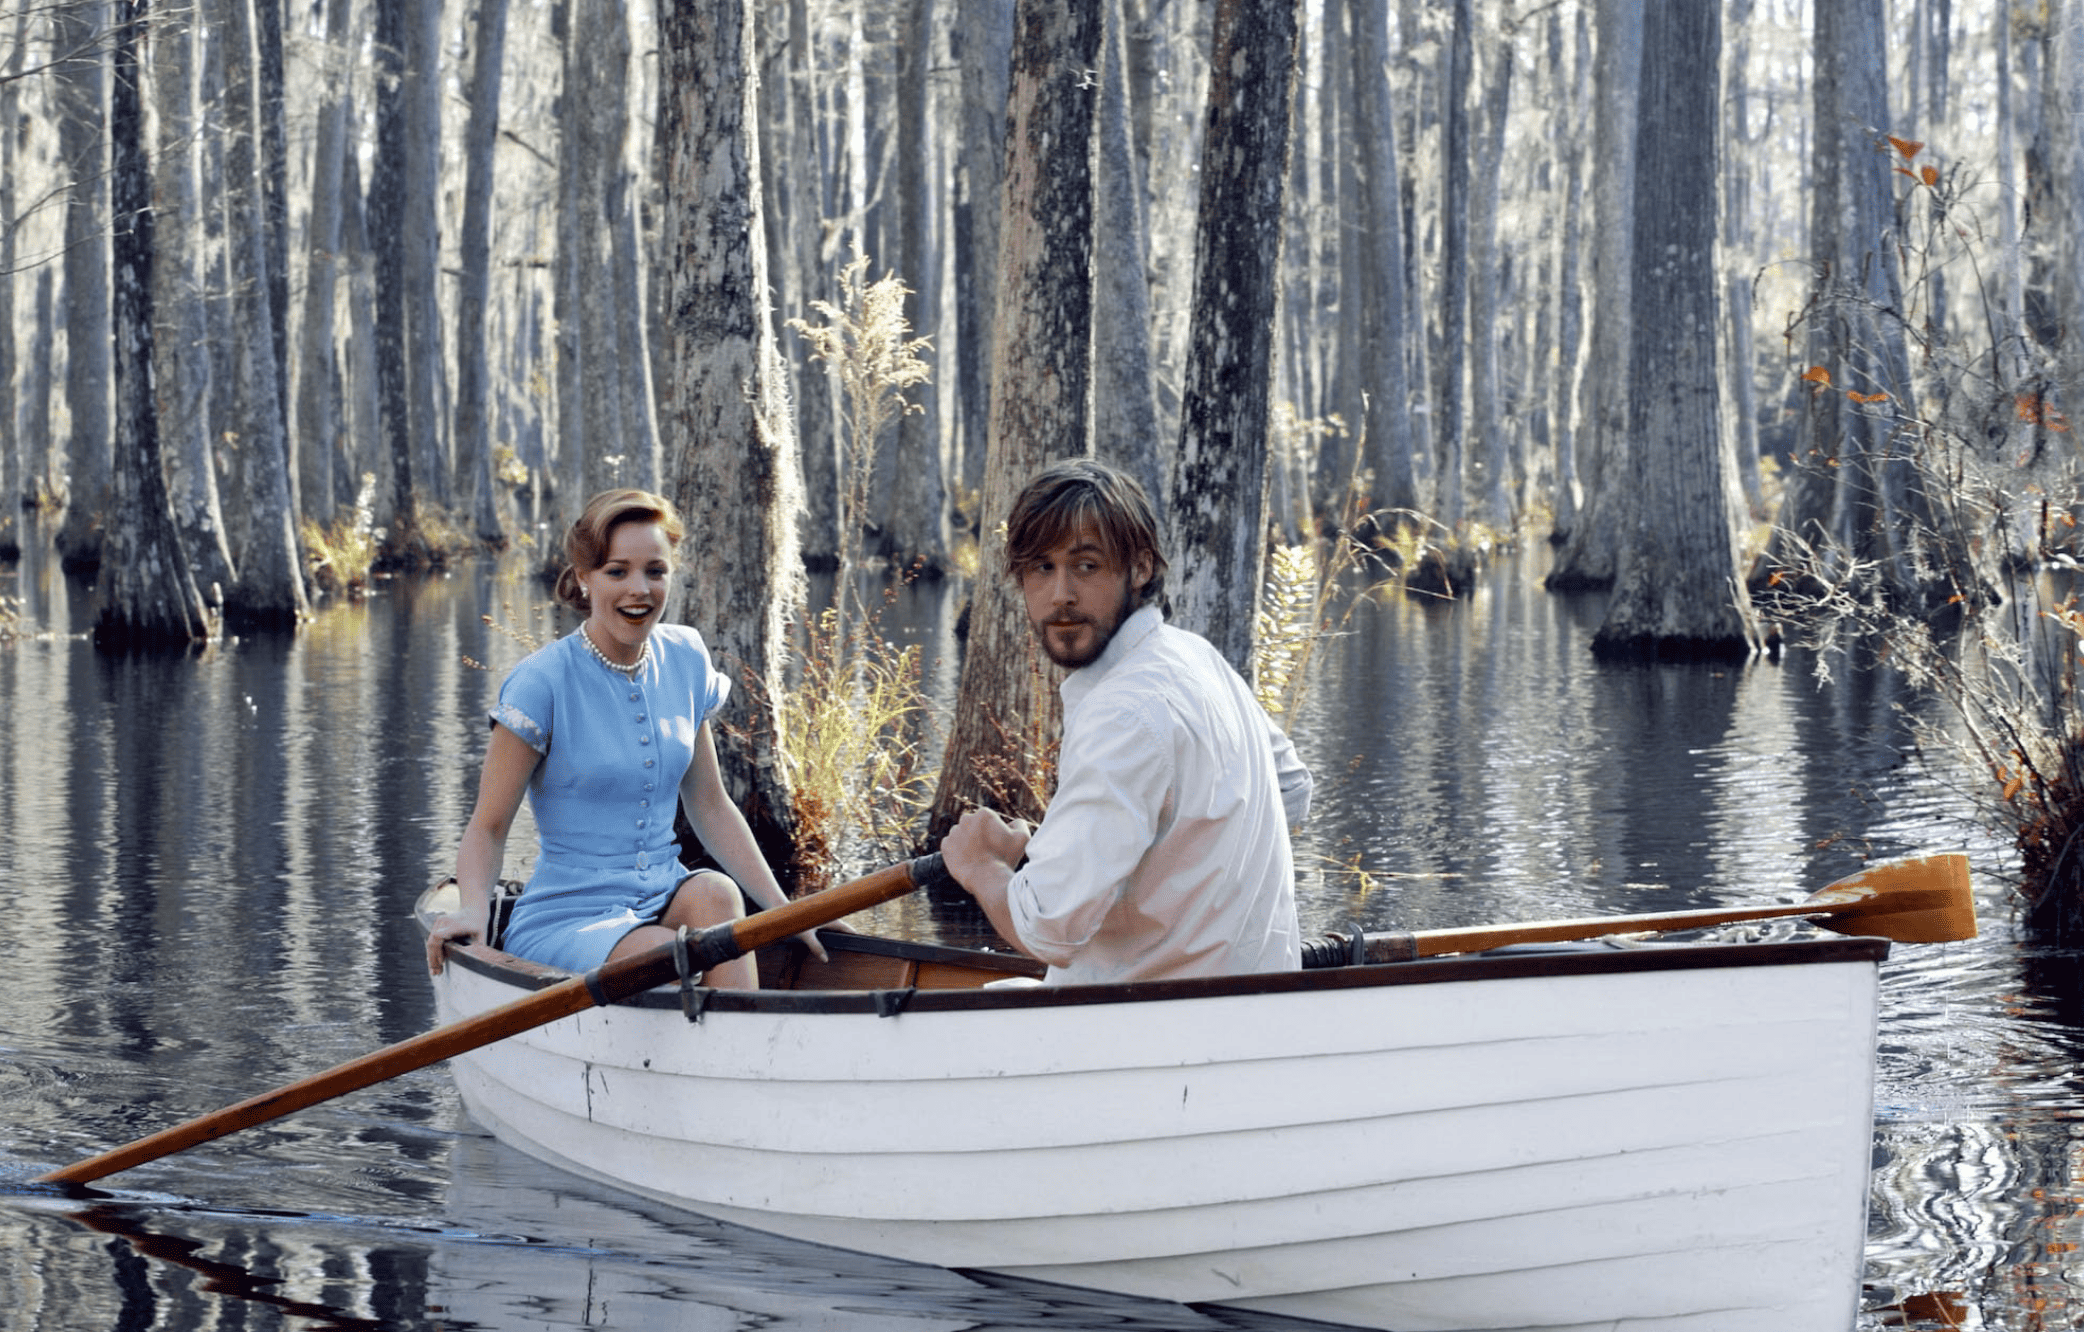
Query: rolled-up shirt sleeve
1294, 778
1109, 805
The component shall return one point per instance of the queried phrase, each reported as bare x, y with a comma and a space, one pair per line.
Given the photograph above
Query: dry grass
526, 639
1307, 598
1019, 773
850, 743
867, 342
340, 555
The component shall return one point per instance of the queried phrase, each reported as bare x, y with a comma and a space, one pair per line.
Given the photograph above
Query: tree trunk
1376, 236
1125, 406
723, 408
15, 466
1589, 554
268, 585
2063, 87
273, 228
1041, 362
1570, 322
598, 269
796, 255
915, 532
1174, 39
317, 386
403, 196
2011, 332
984, 31
1219, 505
635, 323
181, 360
35, 416
363, 454
574, 439
474, 462
80, 95
1486, 310
1857, 494
1676, 592
145, 595
1740, 370
1451, 362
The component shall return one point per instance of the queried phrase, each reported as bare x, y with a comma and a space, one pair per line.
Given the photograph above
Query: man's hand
982, 848
980, 852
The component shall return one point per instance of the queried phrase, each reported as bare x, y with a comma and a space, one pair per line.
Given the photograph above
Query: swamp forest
1763, 315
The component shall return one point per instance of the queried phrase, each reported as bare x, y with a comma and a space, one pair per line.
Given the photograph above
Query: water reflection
207, 865
519, 1246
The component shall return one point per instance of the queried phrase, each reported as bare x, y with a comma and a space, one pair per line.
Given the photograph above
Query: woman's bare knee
703, 899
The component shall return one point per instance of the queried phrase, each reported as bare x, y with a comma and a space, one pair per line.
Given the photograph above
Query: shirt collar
1127, 638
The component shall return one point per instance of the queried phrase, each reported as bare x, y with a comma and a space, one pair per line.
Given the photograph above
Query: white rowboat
1565, 1137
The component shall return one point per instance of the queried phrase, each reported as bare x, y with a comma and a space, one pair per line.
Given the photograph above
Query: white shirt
1165, 849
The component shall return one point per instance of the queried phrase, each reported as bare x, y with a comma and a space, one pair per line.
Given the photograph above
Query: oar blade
1921, 899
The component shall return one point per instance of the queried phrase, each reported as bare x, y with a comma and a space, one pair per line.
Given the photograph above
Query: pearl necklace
643, 657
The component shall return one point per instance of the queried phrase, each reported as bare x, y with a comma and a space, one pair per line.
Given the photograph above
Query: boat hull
1567, 1138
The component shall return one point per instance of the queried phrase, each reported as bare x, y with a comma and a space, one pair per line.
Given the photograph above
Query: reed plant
867, 341
340, 555
1309, 595
1018, 775
851, 737
512, 627
853, 720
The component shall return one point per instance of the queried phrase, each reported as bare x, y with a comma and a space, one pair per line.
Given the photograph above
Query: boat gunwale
1523, 961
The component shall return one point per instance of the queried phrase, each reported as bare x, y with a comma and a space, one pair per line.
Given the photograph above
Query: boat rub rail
872, 975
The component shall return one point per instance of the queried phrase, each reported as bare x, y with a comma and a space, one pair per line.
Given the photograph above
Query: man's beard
1073, 658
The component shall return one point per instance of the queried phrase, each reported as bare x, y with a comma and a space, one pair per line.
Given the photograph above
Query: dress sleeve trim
520, 723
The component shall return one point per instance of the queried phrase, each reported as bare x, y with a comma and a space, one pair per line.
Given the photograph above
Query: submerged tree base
1623, 647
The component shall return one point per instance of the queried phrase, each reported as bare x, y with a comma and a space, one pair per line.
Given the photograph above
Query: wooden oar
605, 984
1922, 900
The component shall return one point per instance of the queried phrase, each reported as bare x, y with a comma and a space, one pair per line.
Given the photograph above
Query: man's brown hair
1073, 495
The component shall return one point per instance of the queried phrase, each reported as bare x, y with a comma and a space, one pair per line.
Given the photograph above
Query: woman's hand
444, 929
809, 939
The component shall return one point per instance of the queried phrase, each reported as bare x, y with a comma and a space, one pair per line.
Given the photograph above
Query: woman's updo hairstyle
586, 544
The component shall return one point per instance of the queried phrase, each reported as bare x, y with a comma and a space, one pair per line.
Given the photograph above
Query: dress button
641, 822
640, 716
643, 739
647, 763
649, 785
634, 696
644, 804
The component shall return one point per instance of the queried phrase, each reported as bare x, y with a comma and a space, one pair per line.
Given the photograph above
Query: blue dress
614, 750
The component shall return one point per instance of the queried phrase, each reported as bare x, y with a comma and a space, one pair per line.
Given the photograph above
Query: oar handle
605, 984
1373, 948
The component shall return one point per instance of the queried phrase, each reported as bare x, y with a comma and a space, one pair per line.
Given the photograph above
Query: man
1165, 850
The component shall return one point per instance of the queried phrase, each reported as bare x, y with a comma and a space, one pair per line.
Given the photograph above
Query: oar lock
693, 998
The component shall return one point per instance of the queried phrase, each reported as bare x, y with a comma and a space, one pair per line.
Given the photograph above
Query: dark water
207, 863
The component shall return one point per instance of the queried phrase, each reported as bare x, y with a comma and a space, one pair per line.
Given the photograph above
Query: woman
602, 730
